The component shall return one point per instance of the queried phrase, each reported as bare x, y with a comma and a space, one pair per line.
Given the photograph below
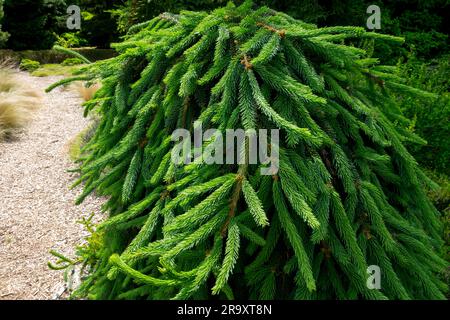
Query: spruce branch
280, 33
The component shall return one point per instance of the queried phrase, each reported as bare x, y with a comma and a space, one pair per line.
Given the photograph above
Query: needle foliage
347, 194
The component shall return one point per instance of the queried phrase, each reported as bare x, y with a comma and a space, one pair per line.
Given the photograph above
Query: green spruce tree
347, 194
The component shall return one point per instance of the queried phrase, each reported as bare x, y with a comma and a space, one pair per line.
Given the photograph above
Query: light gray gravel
37, 211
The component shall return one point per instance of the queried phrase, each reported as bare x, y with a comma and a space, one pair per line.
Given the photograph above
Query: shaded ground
37, 211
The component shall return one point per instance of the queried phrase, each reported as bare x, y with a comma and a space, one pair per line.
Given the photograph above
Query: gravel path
37, 211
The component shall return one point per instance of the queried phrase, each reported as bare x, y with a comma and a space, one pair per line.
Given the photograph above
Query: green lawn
47, 70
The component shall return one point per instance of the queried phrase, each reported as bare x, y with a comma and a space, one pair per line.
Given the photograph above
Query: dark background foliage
431, 121
32, 23
101, 27
421, 22
3, 35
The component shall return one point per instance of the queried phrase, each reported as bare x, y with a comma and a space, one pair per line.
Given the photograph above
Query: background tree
135, 11
422, 23
37, 24
99, 28
32, 24
3, 35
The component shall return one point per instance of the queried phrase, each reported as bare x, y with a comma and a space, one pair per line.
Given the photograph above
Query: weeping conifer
347, 195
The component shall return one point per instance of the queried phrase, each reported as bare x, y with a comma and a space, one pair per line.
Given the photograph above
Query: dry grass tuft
17, 100
85, 92
76, 144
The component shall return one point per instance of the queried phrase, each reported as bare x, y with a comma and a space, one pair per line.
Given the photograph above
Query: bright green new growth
347, 195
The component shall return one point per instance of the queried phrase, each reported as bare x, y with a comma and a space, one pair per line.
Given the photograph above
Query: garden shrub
347, 194
29, 65
72, 62
71, 40
440, 196
441, 199
431, 119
